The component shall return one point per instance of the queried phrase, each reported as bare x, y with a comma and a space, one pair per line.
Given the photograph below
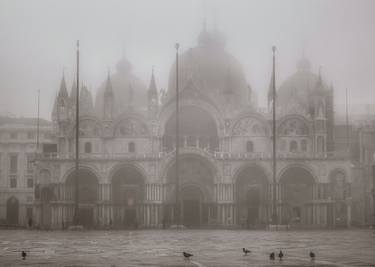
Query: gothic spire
152, 90
63, 92
108, 88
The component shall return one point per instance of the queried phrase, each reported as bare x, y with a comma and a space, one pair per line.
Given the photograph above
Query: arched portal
127, 195
196, 191
191, 202
251, 188
296, 195
197, 129
87, 195
12, 211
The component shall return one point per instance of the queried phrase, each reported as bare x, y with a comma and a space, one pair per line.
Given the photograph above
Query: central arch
127, 196
251, 198
197, 128
87, 194
196, 190
296, 194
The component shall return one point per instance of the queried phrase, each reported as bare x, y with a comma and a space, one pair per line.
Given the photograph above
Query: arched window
249, 146
304, 145
131, 147
88, 147
293, 147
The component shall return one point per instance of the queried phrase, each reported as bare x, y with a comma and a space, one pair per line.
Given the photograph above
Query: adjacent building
18, 147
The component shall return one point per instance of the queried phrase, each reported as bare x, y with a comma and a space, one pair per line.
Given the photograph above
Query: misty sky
37, 40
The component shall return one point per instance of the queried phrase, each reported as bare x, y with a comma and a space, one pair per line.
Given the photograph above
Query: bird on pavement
187, 255
246, 251
272, 256
23, 254
281, 255
312, 255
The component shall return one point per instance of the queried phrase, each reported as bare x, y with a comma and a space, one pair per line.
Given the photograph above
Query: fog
37, 42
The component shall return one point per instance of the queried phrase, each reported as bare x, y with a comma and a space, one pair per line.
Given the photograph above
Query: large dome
298, 88
128, 90
212, 70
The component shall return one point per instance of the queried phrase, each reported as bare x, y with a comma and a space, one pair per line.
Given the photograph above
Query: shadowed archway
127, 195
296, 193
196, 192
88, 195
251, 188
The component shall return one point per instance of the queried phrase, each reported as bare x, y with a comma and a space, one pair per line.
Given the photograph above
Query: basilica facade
127, 150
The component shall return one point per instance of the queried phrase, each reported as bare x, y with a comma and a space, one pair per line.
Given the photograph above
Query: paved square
164, 247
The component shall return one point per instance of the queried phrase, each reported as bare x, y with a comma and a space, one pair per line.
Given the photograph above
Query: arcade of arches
128, 200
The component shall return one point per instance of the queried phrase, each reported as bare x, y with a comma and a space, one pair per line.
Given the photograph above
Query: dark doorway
127, 195
88, 195
251, 188
191, 206
86, 217
12, 211
253, 203
296, 193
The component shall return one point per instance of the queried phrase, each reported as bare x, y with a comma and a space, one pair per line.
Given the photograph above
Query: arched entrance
196, 191
191, 202
251, 188
12, 211
197, 129
87, 195
127, 195
296, 195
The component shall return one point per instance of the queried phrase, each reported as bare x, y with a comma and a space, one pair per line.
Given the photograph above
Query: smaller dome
123, 66
127, 90
213, 39
303, 64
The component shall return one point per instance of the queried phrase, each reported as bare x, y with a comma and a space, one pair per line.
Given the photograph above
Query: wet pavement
164, 248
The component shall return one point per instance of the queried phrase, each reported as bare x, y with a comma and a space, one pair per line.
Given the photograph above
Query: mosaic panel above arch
293, 127
249, 126
131, 127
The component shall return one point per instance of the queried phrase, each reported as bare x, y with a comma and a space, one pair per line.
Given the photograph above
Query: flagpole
37, 124
274, 208
76, 202
347, 121
177, 209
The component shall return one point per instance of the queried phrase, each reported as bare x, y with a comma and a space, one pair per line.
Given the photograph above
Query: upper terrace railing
199, 151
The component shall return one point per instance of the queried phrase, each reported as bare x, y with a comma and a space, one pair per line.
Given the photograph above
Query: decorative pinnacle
77, 44
177, 46
273, 49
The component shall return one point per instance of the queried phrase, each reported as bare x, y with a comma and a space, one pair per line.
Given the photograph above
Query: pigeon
312, 255
272, 256
23, 255
246, 251
281, 255
187, 255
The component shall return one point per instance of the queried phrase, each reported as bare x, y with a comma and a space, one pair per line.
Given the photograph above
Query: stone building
127, 150
17, 154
